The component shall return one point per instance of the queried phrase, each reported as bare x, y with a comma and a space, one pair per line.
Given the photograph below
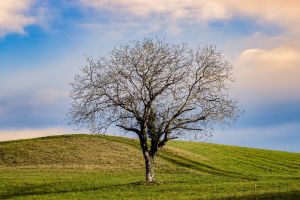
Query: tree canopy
156, 90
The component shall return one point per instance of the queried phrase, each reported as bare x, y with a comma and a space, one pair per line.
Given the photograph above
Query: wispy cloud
38, 96
33, 133
204, 11
173, 9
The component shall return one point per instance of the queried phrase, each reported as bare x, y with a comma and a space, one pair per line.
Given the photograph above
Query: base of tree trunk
149, 162
150, 178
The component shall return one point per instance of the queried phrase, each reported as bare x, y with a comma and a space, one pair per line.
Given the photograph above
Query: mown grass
105, 167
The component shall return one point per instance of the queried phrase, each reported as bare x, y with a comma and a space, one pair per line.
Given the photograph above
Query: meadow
108, 167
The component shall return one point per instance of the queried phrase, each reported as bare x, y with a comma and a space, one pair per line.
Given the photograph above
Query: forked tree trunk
149, 162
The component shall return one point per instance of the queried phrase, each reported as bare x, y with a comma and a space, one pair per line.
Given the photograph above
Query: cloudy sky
43, 43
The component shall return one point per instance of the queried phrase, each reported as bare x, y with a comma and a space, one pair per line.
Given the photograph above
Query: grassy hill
106, 167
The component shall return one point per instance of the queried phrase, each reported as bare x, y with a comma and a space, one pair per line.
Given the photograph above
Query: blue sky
43, 44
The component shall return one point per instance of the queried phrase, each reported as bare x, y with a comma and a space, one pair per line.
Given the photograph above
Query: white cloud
268, 75
15, 15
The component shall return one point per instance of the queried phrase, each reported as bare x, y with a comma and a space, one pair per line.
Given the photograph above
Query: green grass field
106, 167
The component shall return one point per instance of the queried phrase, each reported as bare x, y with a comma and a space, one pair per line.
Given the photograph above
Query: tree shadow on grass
202, 167
289, 195
45, 189
26, 190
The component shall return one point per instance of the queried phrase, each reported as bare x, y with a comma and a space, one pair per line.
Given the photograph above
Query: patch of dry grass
73, 151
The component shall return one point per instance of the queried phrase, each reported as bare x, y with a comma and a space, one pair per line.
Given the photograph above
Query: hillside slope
225, 171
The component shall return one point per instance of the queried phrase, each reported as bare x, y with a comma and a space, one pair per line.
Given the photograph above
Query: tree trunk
149, 162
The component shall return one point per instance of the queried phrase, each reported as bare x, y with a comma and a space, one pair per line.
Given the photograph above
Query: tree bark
149, 162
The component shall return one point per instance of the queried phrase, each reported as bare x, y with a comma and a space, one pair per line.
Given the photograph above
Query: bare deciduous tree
155, 89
